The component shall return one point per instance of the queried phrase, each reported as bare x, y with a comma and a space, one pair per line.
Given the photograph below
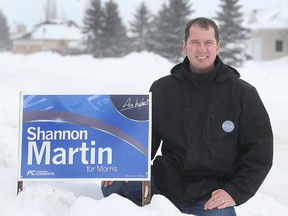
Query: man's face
201, 49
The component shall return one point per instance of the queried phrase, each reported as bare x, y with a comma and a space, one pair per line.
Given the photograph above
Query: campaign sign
85, 136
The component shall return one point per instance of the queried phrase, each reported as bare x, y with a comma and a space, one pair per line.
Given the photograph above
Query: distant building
64, 37
269, 34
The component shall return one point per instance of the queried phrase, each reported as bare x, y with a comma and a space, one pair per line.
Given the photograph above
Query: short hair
203, 23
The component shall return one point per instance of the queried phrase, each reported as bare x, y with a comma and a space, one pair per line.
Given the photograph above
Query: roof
66, 30
274, 18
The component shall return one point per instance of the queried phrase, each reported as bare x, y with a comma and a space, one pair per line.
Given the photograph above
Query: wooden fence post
19, 186
146, 192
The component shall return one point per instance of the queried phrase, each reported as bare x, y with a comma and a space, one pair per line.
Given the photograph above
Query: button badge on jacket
228, 126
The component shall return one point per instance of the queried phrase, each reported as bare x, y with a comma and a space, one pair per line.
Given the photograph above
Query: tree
115, 39
140, 29
168, 33
5, 42
50, 10
106, 34
94, 22
232, 34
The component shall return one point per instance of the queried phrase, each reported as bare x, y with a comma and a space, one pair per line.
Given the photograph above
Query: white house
269, 33
64, 37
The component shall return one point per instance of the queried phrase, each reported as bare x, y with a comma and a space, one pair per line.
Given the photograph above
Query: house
64, 37
268, 34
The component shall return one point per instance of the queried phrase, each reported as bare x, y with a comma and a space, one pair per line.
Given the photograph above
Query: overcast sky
31, 12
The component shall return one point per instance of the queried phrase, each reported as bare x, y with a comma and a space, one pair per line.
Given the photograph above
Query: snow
47, 72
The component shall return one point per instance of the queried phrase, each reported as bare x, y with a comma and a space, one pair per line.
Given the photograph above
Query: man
217, 142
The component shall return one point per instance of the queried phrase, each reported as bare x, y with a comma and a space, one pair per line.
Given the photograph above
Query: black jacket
215, 133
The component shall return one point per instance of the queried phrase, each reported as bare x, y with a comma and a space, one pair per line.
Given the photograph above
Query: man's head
204, 23
201, 44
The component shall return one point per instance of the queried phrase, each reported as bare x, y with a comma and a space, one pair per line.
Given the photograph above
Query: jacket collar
220, 72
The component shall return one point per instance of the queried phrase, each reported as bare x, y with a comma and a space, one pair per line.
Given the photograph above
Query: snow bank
50, 73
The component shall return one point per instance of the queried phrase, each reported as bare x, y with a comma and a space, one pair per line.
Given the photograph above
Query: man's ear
184, 47
218, 48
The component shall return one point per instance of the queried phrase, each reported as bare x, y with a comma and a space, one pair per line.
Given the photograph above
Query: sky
31, 12
53, 73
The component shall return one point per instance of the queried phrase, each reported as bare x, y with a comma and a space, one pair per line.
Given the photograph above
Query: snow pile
51, 73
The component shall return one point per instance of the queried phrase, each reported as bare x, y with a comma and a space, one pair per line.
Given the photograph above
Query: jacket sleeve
256, 140
155, 137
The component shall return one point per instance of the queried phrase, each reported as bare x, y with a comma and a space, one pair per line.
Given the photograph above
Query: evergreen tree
159, 30
140, 29
115, 39
94, 22
5, 42
232, 34
168, 33
106, 34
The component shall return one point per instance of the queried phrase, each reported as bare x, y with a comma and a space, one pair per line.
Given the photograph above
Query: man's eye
194, 42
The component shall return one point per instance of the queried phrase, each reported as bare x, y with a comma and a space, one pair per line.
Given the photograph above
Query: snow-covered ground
51, 73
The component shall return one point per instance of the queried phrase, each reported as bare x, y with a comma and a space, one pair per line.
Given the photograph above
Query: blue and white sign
85, 136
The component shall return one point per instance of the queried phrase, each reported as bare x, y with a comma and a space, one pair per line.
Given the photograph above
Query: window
279, 45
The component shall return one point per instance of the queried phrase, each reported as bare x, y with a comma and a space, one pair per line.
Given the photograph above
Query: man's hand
220, 199
106, 183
